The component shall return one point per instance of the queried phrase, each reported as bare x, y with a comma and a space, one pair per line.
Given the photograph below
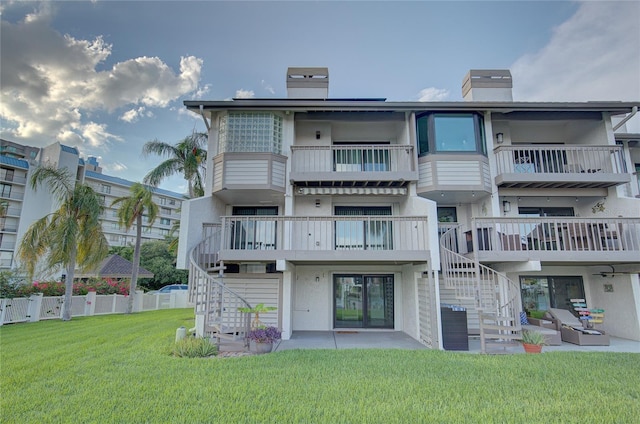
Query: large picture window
450, 133
259, 132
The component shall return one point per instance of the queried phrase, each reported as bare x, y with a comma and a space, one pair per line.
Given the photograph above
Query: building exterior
368, 214
24, 205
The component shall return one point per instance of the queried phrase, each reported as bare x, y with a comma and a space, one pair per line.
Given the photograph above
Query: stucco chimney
307, 83
487, 85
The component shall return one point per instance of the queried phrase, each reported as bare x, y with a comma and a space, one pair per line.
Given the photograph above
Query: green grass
117, 369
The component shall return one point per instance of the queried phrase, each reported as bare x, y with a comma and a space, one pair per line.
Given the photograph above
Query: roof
115, 266
69, 149
350, 105
18, 163
121, 181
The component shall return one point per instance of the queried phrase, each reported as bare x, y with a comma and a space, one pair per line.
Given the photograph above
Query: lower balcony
604, 240
324, 239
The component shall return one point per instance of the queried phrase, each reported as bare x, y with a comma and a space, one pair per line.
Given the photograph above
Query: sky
108, 76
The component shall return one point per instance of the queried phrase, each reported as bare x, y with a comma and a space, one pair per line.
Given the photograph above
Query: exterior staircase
214, 302
494, 295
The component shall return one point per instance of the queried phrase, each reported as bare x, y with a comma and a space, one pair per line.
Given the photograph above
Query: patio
354, 339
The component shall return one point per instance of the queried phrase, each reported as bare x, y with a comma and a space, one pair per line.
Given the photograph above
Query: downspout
206, 123
634, 110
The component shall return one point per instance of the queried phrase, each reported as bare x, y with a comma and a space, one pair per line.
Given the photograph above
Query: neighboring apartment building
24, 205
368, 214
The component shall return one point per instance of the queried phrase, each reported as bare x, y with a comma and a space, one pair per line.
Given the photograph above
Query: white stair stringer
495, 295
217, 305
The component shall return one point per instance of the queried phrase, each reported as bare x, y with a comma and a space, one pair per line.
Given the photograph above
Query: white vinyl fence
37, 307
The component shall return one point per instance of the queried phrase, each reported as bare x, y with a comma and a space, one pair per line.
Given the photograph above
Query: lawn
115, 369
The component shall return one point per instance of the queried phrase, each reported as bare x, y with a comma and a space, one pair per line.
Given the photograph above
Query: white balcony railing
324, 233
352, 158
556, 236
559, 159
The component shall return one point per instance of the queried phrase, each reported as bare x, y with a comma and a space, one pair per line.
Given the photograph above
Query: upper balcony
560, 166
312, 239
374, 165
553, 239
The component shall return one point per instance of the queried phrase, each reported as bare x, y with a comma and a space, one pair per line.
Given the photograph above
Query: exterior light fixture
506, 206
317, 135
499, 138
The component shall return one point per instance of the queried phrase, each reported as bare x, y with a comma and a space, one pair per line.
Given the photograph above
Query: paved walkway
399, 340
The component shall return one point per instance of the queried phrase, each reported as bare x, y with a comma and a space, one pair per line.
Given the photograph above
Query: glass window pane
455, 133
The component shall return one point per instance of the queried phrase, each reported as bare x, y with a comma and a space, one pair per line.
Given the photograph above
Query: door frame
365, 299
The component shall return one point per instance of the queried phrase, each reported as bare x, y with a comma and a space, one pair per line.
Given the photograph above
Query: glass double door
363, 301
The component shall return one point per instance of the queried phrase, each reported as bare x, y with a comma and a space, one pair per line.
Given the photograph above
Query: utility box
455, 335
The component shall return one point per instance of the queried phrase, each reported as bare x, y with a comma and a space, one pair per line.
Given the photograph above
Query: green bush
537, 314
194, 347
10, 284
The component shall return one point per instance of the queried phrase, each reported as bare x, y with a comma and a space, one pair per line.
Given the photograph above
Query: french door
363, 301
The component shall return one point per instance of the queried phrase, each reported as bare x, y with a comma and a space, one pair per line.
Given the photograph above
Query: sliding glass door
363, 301
371, 234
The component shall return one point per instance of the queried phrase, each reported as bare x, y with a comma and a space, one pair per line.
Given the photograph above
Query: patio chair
551, 335
572, 330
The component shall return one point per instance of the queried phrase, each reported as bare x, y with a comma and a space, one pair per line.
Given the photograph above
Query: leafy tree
187, 157
71, 234
156, 257
123, 251
132, 208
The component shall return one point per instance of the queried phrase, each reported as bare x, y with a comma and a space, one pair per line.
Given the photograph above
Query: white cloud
244, 94
114, 166
267, 87
133, 115
433, 94
594, 55
53, 77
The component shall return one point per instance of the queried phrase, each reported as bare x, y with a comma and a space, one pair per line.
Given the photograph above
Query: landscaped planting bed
117, 369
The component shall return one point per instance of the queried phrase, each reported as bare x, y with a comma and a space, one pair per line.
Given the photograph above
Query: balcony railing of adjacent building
12, 178
560, 166
353, 164
553, 239
11, 195
324, 238
7, 245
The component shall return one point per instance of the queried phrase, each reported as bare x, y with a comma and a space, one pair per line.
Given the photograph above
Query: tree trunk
68, 285
136, 264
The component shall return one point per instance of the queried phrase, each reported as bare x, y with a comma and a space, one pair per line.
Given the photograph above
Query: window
7, 174
351, 157
254, 233
250, 132
5, 190
450, 133
165, 211
539, 293
165, 221
105, 189
172, 202
370, 234
162, 201
164, 232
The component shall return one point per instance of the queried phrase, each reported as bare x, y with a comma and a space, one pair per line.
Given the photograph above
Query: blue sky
107, 76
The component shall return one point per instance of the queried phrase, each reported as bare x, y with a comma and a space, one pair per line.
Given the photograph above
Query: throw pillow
523, 318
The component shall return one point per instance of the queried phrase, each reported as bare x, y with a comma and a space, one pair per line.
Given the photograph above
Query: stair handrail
457, 268
202, 284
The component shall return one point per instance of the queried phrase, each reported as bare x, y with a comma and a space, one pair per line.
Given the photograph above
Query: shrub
264, 335
194, 347
56, 288
10, 284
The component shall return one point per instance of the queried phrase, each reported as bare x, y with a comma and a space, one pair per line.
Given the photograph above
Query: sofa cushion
523, 318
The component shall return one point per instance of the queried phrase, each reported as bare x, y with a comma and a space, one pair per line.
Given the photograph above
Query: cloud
433, 94
267, 87
244, 94
53, 77
133, 115
114, 166
594, 55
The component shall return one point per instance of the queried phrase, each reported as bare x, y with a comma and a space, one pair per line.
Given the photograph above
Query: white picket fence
37, 307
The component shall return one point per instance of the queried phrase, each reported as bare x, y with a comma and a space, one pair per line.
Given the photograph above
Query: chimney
307, 83
487, 85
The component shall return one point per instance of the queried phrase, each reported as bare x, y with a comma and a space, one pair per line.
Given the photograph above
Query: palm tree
132, 208
71, 234
187, 157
